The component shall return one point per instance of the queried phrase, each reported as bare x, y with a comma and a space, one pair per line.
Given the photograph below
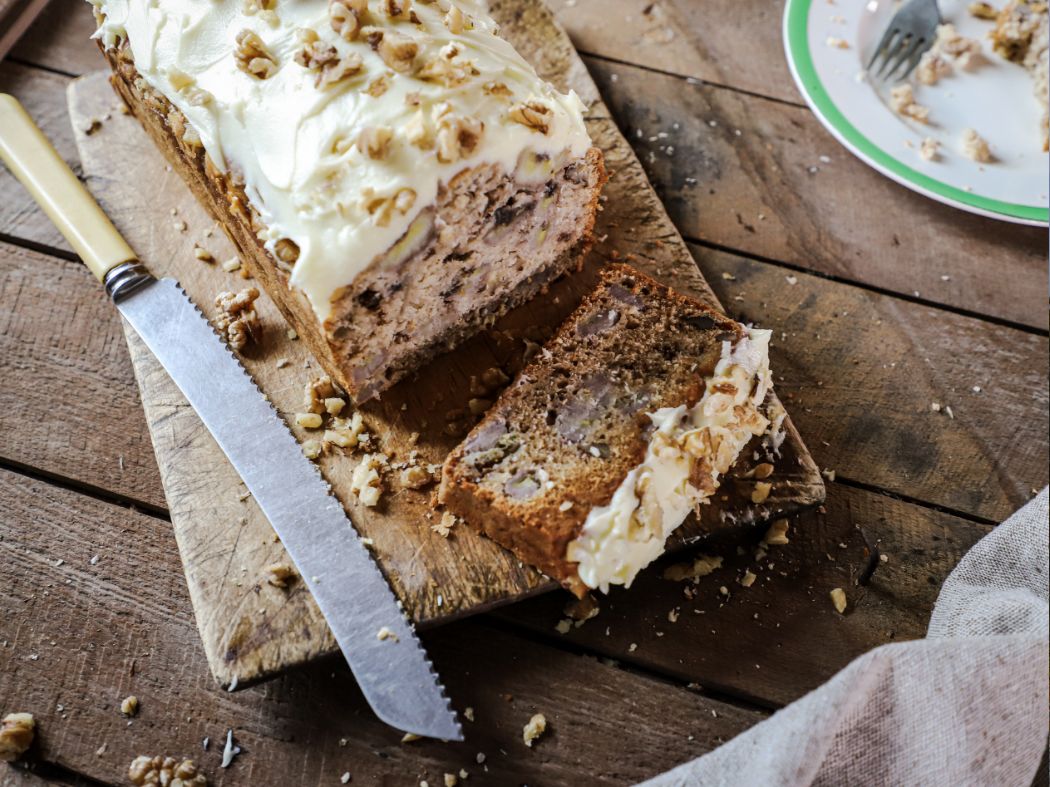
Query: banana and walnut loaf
394, 173
605, 442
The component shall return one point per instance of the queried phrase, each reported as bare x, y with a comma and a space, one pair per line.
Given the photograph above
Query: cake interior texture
396, 175
555, 470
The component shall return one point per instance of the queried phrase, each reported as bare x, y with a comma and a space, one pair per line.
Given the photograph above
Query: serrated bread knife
378, 641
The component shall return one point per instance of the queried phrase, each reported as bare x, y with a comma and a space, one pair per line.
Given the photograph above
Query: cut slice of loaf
613, 433
514, 186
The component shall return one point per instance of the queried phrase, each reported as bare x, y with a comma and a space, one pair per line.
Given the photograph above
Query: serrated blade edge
394, 673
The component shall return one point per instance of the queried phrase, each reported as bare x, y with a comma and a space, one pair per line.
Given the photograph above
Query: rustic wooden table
884, 303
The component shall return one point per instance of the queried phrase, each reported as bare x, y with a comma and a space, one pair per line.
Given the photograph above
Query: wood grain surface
867, 353
250, 629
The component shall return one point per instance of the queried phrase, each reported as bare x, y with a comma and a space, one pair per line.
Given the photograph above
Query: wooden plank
781, 637
60, 39
79, 637
727, 42
435, 578
747, 173
43, 95
983, 462
861, 372
47, 364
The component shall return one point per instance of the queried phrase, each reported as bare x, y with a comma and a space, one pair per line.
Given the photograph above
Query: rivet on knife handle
56, 189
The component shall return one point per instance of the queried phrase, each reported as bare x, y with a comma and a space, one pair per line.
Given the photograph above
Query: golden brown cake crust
225, 199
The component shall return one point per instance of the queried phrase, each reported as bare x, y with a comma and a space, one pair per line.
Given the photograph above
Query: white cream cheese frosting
621, 538
343, 136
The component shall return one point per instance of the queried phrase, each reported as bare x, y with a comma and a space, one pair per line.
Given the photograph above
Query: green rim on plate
796, 23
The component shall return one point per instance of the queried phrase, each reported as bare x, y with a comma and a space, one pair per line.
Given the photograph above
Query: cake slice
394, 173
609, 437
1022, 35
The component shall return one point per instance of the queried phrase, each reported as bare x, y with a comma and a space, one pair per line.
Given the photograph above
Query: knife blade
379, 642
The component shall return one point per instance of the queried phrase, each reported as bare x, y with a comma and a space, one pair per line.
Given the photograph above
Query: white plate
996, 98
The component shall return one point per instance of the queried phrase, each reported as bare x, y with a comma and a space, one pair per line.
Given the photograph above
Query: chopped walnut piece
456, 21
130, 705
323, 59
444, 527
451, 780
308, 420
165, 770
700, 567
316, 391
535, 728
378, 86
582, 609
383, 634
255, 6
202, 253
777, 534
447, 68
533, 114
418, 132
761, 492
397, 9
280, 575
252, 56
333, 405
347, 17
374, 141
312, 449
494, 377
497, 89
381, 209
764, 470
416, 477
457, 138
346, 433
396, 50
237, 321
365, 481
287, 250
16, 735
748, 579
838, 598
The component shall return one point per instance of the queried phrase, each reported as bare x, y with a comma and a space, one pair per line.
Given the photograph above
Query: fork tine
893, 53
891, 31
910, 59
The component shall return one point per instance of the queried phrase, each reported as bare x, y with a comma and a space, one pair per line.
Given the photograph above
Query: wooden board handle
33, 160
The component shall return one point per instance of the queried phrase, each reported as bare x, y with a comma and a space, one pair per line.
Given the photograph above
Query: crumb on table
16, 735
536, 726
975, 147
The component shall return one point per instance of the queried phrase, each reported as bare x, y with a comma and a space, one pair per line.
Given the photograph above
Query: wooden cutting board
251, 629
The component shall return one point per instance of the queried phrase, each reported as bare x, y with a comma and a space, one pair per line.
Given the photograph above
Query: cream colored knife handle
32, 159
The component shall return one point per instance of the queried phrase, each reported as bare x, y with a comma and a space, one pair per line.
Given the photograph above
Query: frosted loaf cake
394, 173
605, 442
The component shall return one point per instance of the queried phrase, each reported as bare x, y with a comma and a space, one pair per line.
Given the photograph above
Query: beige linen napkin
965, 706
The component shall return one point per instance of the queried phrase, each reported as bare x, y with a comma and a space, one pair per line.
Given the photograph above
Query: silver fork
909, 34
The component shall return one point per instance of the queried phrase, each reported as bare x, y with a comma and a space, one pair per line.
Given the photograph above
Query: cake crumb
408, 737
146, 770
748, 579
130, 705
280, 575
16, 735
563, 626
929, 149
451, 780
231, 265
837, 43
838, 598
700, 567
384, 633
975, 147
902, 101
534, 729
468, 713
202, 253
